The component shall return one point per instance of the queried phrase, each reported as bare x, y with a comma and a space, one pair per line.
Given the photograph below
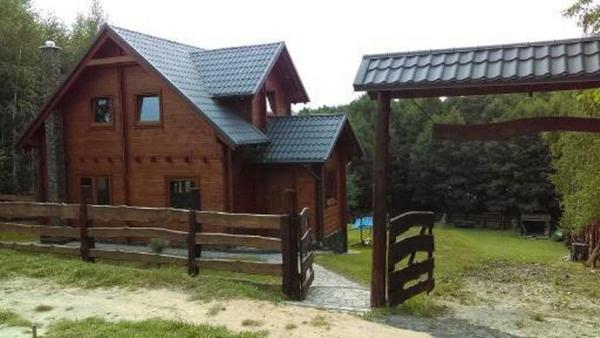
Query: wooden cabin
143, 119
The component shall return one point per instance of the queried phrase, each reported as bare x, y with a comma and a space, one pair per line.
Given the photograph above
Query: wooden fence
291, 269
408, 247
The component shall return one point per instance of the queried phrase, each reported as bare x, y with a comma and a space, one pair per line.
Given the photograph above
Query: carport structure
524, 67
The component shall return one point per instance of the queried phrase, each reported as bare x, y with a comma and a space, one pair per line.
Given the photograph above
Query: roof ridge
484, 47
199, 49
240, 47
309, 115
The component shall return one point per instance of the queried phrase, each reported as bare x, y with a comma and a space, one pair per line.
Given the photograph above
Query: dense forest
22, 32
512, 176
555, 173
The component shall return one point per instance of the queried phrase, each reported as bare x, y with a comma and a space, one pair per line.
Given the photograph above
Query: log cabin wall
182, 145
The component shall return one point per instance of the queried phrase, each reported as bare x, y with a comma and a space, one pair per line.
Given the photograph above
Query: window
180, 193
331, 183
100, 189
148, 108
101, 110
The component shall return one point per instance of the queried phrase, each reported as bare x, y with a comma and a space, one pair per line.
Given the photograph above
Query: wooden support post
380, 165
197, 205
290, 237
194, 250
86, 243
320, 192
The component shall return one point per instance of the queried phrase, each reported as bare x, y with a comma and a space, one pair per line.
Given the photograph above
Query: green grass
99, 328
207, 286
457, 252
9, 318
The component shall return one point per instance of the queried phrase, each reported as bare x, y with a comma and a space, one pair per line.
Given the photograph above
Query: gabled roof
305, 138
523, 63
236, 71
201, 77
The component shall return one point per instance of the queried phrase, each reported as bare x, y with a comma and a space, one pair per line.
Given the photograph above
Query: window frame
168, 180
102, 125
138, 100
95, 188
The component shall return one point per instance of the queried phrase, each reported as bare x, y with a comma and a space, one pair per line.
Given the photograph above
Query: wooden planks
122, 255
402, 249
42, 230
402, 223
252, 241
144, 232
240, 220
17, 198
398, 250
33, 209
41, 248
111, 213
400, 296
241, 266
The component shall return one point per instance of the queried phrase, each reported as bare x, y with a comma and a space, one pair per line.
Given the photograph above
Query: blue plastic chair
363, 223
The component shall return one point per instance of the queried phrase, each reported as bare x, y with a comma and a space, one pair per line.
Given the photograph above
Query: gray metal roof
236, 71
302, 138
201, 75
526, 62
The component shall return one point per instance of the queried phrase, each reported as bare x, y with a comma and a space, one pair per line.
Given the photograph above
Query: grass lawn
100, 328
73, 272
457, 252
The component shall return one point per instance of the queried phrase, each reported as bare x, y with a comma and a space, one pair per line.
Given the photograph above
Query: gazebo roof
522, 67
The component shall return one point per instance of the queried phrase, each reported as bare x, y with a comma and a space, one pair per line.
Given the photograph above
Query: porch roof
307, 138
520, 67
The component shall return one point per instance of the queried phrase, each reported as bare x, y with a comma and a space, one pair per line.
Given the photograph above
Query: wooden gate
406, 282
307, 273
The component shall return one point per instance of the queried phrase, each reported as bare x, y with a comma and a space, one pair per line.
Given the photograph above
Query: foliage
97, 328
509, 176
10, 318
587, 13
158, 245
22, 31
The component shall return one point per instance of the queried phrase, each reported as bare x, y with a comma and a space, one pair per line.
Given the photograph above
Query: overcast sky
327, 38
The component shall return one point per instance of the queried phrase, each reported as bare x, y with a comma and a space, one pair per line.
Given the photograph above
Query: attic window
101, 110
149, 108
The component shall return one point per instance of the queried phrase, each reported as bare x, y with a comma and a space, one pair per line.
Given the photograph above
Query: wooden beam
380, 165
114, 60
513, 128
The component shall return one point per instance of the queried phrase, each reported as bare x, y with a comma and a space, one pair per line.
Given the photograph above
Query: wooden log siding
400, 249
39, 230
33, 209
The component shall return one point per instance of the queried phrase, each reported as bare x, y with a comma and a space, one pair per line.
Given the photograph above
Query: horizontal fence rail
297, 258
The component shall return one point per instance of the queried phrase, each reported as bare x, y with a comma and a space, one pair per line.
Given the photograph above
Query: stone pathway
332, 291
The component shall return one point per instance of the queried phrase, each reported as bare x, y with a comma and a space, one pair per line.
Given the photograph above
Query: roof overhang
523, 67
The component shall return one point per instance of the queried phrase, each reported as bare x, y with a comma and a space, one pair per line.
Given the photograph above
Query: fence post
197, 205
86, 243
194, 250
290, 248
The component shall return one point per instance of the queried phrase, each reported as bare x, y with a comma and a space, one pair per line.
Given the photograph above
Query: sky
326, 38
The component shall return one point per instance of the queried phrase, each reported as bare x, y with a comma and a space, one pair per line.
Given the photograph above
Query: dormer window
101, 111
149, 109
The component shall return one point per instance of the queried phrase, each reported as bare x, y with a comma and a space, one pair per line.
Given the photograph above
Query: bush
158, 245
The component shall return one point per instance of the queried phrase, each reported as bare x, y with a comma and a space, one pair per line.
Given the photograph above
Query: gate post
85, 242
290, 248
380, 166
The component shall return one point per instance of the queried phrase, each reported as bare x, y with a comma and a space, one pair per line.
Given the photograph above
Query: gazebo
523, 67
